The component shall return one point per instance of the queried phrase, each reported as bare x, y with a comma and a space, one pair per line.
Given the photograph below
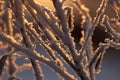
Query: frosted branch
34, 55
105, 22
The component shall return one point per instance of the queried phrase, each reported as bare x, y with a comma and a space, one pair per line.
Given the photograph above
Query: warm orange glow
47, 3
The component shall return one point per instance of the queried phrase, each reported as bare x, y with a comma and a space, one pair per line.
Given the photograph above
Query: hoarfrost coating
27, 26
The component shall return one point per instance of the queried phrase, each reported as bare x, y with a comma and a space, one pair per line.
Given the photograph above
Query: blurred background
111, 64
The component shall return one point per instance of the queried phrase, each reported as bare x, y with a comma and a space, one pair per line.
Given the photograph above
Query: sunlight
47, 3
59, 39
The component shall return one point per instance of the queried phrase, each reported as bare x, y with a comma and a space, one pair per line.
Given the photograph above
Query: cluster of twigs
26, 26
